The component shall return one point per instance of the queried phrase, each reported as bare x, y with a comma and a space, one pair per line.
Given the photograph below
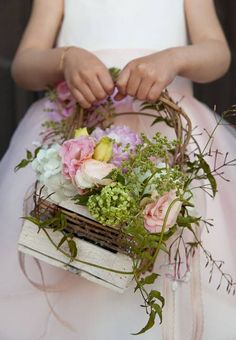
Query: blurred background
14, 101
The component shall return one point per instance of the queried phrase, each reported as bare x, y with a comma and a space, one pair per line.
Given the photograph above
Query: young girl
77, 41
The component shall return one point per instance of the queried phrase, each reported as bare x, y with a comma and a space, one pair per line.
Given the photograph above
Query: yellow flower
103, 150
81, 132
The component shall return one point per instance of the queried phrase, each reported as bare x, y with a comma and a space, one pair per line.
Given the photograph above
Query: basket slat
110, 238
44, 250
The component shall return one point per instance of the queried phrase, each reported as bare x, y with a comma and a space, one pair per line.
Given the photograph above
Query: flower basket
124, 198
88, 231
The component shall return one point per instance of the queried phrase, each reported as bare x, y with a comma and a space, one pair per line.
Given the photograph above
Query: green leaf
146, 255
114, 72
207, 170
81, 200
63, 239
37, 151
169, 233
185, 221
193, 244
150, 279
120, 179
57, 227
154, 294
192, 166
50, 223
162, 119
63, 221
72, 248
33, 220
158, 310
149, 325
188, 204
164, 248
22, 164
29, 155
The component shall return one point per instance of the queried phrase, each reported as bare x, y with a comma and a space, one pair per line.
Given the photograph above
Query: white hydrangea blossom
59, 188
48, 167
47, 163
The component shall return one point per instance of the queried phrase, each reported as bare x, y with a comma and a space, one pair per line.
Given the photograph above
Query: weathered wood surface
38, 245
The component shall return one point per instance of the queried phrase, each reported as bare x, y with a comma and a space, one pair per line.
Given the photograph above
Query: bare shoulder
43, 25
202, 21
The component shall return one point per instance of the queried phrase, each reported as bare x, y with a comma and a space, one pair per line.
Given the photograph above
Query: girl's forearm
35, 69
202, 62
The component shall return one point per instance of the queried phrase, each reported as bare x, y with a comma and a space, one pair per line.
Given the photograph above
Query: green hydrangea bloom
113, 206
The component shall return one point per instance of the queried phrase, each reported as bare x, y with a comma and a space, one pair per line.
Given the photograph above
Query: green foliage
29, 159
185, 221
114, 71
154, 301
207, 170
148, 280
150, 323
161, 119
57, 223
72, 248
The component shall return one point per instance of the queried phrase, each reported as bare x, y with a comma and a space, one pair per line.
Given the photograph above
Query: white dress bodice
119, 31
112, 24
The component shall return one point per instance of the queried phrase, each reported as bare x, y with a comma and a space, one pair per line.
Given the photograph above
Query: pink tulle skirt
94, 312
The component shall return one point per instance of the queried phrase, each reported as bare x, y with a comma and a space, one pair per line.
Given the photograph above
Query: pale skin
37, 63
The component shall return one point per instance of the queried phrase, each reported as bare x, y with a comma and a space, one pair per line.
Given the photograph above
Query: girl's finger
133, 85
106, 82
80, 98
123, 79
96, 88
144, 89
87, 93
155, 92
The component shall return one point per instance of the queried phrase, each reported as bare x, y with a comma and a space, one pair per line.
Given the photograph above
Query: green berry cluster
113, 206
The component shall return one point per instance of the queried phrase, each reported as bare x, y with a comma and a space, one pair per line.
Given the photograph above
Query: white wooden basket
38, 245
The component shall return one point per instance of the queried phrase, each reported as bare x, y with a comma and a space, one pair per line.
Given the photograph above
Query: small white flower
47, 163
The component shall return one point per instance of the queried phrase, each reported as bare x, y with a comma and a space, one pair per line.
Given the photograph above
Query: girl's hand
145, 78
87, 77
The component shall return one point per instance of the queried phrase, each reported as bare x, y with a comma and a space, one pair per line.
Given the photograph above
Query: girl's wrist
178, 57
63, 57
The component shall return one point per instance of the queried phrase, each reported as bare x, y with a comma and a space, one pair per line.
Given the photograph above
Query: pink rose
154, 213
74, 152
91, 173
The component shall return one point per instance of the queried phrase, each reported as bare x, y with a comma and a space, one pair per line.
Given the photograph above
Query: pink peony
63, 105
91, 173
63, 92
154, 213
57, 110
74, 152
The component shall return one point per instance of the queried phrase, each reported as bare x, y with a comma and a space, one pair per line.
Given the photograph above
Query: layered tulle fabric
92, 311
